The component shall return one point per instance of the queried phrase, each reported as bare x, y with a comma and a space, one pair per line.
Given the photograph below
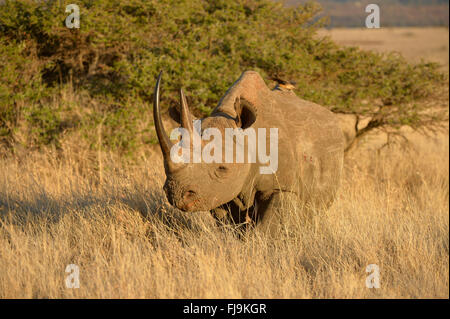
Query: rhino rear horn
185, 115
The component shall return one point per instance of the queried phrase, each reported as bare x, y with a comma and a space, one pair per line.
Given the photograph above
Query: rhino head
200, 186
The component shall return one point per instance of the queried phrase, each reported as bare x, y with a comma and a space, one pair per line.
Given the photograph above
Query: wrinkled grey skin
310, 156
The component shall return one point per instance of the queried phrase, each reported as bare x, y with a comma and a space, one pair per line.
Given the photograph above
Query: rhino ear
246, 113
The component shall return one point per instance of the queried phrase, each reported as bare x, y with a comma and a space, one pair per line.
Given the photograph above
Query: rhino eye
221, 170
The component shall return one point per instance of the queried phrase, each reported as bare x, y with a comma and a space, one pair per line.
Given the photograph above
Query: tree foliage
203, 46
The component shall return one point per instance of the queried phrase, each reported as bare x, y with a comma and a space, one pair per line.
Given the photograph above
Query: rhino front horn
164, 140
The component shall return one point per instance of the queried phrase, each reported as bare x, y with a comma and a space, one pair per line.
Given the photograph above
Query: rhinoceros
310, 155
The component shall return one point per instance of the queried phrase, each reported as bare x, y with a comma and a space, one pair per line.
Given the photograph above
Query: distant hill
351, 13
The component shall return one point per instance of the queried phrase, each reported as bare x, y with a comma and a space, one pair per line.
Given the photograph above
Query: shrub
202, 46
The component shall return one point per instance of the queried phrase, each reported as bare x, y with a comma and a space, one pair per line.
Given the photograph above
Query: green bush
202, 46
20, 83
44, 123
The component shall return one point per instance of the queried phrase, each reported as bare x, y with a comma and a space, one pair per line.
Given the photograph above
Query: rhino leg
272, 211
232, 214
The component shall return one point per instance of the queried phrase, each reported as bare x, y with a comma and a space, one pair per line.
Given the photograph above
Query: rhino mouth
179, 197
194, 204
189, 206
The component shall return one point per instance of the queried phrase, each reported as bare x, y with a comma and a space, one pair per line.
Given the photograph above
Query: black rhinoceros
309, 160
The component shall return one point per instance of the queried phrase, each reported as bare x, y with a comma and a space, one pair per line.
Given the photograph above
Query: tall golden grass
55, 210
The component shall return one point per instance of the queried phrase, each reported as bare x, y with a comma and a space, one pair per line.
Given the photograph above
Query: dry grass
415, 44
128, 243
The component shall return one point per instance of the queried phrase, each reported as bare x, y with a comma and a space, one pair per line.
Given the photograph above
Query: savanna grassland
392, 210
414, 43
71, 193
